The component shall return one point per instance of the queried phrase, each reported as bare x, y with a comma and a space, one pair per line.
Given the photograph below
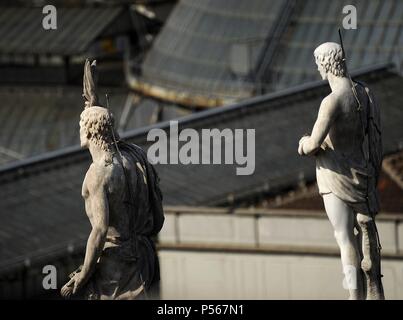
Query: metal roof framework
21, 30
377, 39
199, 57
190, 61
39, 119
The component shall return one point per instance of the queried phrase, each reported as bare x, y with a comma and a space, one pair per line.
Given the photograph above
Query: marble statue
124, 205
346, 142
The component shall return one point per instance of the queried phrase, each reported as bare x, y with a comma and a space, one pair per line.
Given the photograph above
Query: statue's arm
99, 211
327, 114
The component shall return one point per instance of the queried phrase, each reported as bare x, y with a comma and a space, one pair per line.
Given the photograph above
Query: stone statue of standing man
123, 202
346, 142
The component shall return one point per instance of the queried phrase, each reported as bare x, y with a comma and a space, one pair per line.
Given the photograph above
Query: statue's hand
67, 289
73, 285
301, 144
79, 280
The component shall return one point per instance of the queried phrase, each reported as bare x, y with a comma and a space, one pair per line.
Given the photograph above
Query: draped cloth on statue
354, 177
129, 267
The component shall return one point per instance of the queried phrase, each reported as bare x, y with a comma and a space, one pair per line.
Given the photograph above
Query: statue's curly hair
330, 56
98, 124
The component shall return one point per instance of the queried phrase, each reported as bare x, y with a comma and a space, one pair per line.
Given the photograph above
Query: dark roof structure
39, 119
215, 52
41, 202
208, 52
378, 39
21, 30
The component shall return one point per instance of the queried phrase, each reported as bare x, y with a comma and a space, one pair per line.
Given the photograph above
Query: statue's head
329, 59
96, 122
96, 125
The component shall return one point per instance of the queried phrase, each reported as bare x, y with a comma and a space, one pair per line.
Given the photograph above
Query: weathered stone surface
124, 205
346, 144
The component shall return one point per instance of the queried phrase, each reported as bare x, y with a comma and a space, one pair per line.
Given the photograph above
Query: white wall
207, 275
210, 253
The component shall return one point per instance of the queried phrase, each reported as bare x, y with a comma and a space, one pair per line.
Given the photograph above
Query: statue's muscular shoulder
330, 106
100, 175
332, 100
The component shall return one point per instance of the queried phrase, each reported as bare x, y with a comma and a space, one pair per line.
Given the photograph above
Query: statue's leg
358, 239
342, 219
371, 262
